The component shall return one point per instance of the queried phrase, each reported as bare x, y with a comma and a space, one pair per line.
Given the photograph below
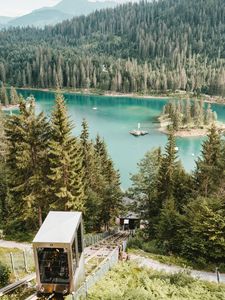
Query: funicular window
53, 265
74, 254
79, 240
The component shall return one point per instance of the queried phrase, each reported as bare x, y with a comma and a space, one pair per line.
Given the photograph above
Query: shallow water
114, 117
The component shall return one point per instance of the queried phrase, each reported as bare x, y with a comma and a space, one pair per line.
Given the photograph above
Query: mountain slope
161, 45
4, 20
83, 7
40, 18
64, 10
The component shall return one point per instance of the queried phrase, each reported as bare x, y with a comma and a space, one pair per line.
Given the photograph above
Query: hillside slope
160, 46
82, 7
40, 18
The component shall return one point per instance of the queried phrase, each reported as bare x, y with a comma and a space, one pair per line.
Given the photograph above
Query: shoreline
96, 93
176, 96
194, 132
186, 133
10, 107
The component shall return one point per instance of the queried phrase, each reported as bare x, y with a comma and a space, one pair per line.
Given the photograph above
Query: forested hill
160, 46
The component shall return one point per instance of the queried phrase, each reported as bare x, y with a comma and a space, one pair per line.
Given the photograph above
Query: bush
181, 278
147, 246
4, 275
128, 281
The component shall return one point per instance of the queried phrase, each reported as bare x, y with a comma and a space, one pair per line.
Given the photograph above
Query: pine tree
188, 118
27, 136
92, 180
85, 150
209, 171
4, 191
3, 96
166, 181
209, 115
14, 98
66, 187
144, 189
111, 195
3, 140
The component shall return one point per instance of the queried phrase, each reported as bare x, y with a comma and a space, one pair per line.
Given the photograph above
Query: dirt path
147, 262
10, 244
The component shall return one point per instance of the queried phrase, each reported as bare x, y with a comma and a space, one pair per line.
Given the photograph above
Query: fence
99, 272
20, 262
90, 239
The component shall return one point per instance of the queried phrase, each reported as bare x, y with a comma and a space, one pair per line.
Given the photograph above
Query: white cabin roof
58, 227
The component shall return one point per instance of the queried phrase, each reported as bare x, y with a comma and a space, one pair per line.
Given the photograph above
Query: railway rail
101, 249
13, 286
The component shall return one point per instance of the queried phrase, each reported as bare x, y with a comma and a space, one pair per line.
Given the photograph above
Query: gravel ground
10, 244
147, 262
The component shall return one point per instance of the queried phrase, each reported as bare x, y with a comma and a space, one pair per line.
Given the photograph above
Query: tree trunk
40, 216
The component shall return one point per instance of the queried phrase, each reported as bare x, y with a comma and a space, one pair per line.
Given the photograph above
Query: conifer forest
158, 46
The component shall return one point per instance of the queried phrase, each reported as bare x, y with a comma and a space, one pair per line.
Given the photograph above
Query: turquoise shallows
114, 117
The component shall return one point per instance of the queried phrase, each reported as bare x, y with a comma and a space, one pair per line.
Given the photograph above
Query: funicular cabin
58, 253
130, 221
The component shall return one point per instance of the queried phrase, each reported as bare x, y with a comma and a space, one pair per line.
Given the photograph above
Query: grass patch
19, 264
165, 259
127, 281
92, 264
150, 250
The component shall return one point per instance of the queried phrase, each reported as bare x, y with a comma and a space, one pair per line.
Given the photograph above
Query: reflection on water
114, 117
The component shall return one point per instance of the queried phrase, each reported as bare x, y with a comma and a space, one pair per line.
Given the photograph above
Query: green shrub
147, 246
181, 278
4, 275
128, 281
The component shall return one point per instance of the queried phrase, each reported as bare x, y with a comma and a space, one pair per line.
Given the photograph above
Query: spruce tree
66, 187
166, 181
27, 136
86, 155
111, 195
92, 180
144, 189
209, 170
4, 191
3, 140
188, 118
3, 96
14, 98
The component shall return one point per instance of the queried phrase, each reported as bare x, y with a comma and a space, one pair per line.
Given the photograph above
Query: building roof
58, 227
130, 215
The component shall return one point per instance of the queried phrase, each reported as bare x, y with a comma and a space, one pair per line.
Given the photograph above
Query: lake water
114, 117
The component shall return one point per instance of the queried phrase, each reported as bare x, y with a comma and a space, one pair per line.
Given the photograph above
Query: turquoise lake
114, 117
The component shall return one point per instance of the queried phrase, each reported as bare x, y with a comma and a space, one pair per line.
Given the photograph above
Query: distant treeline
145, 47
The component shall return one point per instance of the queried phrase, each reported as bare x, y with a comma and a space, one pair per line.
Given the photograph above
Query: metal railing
98, 273
90, 239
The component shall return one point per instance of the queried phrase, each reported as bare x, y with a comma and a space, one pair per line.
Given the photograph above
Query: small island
9, 102
188, 118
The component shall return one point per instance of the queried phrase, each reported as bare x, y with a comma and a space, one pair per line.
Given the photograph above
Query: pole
25, 261
218, 275
12, 263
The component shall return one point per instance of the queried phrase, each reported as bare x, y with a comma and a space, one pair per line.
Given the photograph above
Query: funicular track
100, 250
105, 246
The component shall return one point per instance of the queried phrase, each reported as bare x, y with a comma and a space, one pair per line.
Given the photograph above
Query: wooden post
218, 275
25, 261
12, 263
